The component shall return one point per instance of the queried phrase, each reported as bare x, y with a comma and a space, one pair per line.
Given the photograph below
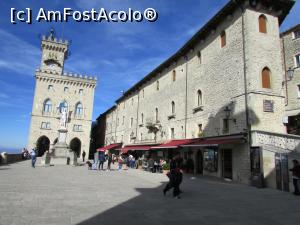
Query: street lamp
227, 112
290, 73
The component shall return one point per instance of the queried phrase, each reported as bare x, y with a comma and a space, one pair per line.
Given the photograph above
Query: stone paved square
74, 195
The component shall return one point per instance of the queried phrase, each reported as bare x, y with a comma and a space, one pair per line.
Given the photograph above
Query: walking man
109, 160
33, 158
101, 160
296, 176
175, 177
83, 156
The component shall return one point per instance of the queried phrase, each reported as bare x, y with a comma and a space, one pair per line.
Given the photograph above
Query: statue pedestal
61, 154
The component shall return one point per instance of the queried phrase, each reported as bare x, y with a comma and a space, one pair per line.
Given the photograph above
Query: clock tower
60, 98
54, 53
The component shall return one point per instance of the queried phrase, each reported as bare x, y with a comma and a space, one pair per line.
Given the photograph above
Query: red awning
216, 142
174, 144
136, 148
109, 147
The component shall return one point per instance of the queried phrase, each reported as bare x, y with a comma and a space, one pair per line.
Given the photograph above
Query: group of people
29, 155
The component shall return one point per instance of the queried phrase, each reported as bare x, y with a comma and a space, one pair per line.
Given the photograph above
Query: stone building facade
55, 90
215, 96
291, 54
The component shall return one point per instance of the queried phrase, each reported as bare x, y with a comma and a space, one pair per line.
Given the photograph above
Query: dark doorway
227, 163
199, 161
282, 172
42, 145
75, 145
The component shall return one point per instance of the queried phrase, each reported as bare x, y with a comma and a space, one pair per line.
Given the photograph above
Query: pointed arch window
199, 57
199, 98
174, 75
223, 39
47, 106
79, 109
156, 115
266, 78
262, 22
173, 107
63, 105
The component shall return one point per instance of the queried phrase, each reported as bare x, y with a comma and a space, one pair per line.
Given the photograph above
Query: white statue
63, 118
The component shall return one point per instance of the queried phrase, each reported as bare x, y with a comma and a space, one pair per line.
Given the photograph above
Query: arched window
174, 75
47, 106
63, 105
79, 109
199, 57
199, 98
262, 21
156, 115
173, 107
223, 39
266, 78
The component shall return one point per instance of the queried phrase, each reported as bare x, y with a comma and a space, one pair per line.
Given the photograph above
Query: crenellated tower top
54, 53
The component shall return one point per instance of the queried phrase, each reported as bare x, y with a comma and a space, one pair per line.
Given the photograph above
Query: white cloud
17, 55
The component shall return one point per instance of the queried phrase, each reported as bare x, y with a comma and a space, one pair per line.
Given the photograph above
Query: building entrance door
227, 163
282, 171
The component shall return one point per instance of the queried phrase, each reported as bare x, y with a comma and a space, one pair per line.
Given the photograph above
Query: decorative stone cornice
66, 78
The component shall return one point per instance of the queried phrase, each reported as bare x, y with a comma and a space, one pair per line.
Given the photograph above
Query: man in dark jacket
101, 160
83, 155
296, 176
175, 179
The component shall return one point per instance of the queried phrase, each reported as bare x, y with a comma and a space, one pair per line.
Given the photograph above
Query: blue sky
120, 54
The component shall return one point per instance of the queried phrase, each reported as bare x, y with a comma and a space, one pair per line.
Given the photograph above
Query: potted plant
166, 168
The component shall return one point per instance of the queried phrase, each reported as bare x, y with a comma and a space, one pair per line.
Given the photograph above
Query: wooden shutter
266, 82
262, 24
223, 39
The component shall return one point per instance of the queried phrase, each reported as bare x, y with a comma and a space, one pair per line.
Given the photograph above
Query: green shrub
166, 166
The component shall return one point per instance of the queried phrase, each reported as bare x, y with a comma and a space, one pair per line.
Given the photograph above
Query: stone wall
6, 158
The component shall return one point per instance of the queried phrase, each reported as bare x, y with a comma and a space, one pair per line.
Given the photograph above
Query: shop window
255, 161
262, 21
266, 78
210, 160
223, 39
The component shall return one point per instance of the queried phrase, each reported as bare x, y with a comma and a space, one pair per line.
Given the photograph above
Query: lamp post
290, 73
